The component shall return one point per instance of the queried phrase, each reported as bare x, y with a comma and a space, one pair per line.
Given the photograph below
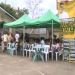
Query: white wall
5, 17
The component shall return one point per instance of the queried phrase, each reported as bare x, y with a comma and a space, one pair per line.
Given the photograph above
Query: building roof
8, 13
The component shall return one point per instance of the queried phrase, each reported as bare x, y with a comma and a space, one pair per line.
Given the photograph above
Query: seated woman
57, 47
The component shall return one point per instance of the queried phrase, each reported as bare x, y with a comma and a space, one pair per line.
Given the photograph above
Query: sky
45, 5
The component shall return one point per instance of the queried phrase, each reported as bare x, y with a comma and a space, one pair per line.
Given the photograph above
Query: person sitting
12, 43
57, 47
25, 44
31, 44
19, 46
42, 41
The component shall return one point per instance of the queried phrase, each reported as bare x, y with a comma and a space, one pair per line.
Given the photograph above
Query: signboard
68, 28
66, 8
66, 13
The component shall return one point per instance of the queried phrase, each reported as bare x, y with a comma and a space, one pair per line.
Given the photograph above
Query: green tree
20, 12
33, 7
12, 10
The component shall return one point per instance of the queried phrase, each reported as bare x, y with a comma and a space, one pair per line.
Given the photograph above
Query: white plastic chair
28, 50
51, 51
32, 50
46, 51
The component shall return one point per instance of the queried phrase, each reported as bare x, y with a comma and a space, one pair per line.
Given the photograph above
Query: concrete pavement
18, 65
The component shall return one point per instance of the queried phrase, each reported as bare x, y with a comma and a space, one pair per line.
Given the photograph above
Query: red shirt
57, 46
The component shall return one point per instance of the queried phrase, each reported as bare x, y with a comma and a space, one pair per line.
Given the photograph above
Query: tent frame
24, 39
52, 39
38, 23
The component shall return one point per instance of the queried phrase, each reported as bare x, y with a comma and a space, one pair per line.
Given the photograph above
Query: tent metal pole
23, 39
52, 39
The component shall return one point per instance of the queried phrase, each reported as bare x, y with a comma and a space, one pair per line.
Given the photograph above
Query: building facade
5, 17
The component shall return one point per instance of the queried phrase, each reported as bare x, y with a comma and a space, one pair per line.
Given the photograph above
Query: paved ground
18, 65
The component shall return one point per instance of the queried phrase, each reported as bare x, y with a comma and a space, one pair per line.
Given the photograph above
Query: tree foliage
12, 10
20, 12
33, 7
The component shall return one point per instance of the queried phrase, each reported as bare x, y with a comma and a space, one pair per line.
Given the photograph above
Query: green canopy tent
48, 20
44, 21
21, 21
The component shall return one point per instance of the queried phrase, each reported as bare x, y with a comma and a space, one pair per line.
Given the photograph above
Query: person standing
9, 37
5, 40
17, 36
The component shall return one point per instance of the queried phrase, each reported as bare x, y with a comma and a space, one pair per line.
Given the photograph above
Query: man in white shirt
63, 14
5, 40
17, 36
